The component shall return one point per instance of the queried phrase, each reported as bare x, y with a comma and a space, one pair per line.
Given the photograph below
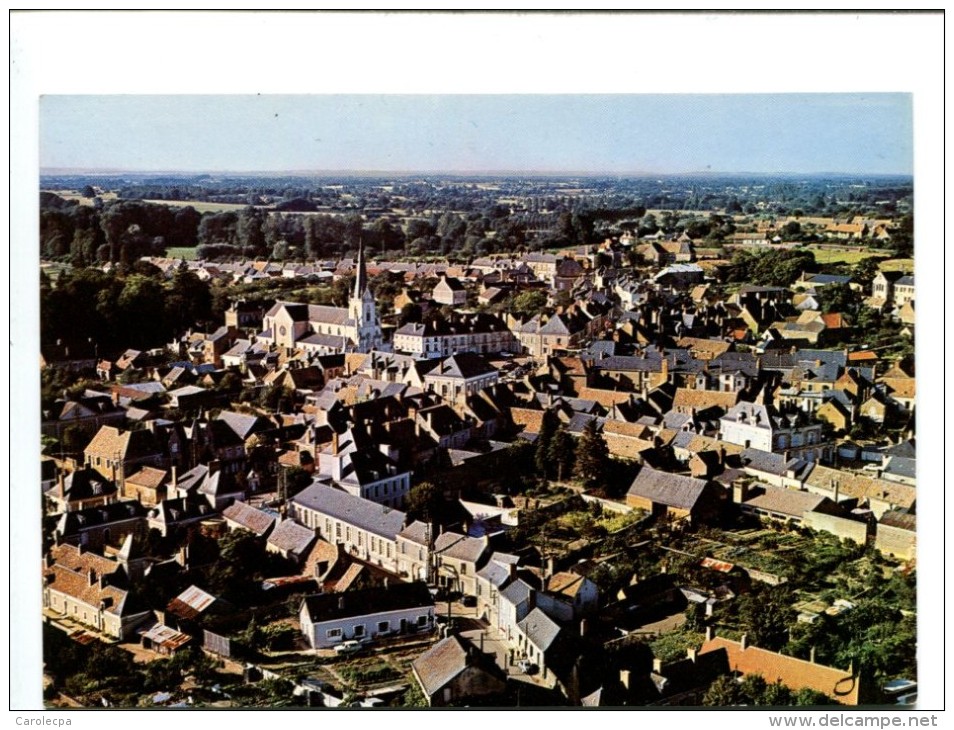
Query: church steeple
361, 280
362, 312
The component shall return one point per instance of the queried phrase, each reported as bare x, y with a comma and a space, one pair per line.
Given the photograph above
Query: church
327, 330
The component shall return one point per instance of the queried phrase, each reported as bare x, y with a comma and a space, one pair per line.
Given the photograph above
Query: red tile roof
794, 673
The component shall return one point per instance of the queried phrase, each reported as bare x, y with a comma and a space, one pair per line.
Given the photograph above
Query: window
463, 569
358, 630
338, 530
422, 620
333, 634
384, 626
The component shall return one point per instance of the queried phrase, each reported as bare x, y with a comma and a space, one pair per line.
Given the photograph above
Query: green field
844, 256
898, 265
181, 252
199, 205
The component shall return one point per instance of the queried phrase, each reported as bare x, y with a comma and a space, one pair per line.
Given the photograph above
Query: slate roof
901, 467
460, 547
352, 604
220, 483
71, 523
905, 449
771, 463
184, 509
361, 513
84, 484
673, 490
540, 629
415, 532
290, 537
440, 664
827, 279
517, 592
244, 425
494, 573
463, 365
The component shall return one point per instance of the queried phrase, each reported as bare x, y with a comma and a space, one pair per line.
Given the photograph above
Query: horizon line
52, 170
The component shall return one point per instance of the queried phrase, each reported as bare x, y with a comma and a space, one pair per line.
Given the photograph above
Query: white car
348, 647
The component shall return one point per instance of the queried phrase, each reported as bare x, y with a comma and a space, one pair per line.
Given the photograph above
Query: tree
723, 692
141, 311
865, 271
188, 302
592, 457
410, 312
251, 236
792, 230
765, 615
837, 298
548, 428
647, 225
425, 502
528, 303
560, 453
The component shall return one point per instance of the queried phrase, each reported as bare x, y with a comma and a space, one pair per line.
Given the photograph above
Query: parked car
368, 702
348, 647
527, 667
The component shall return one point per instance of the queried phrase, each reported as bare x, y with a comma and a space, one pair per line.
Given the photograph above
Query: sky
614, 133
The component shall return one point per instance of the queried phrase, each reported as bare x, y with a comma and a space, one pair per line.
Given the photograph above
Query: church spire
361, 280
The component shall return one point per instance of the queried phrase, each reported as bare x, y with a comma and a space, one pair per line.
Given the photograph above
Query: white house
364, 529
328, 619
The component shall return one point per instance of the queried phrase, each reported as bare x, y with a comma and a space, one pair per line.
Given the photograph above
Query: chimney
811, 656
549, 573
341, 603
334, 442
624, 677
740, 492
511, 570
61, 485
584, 626
745, 642
175, 477
657, 665
92, 576
709, 633
692, 653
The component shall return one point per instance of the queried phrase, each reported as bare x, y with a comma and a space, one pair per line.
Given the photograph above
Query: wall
855, 531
